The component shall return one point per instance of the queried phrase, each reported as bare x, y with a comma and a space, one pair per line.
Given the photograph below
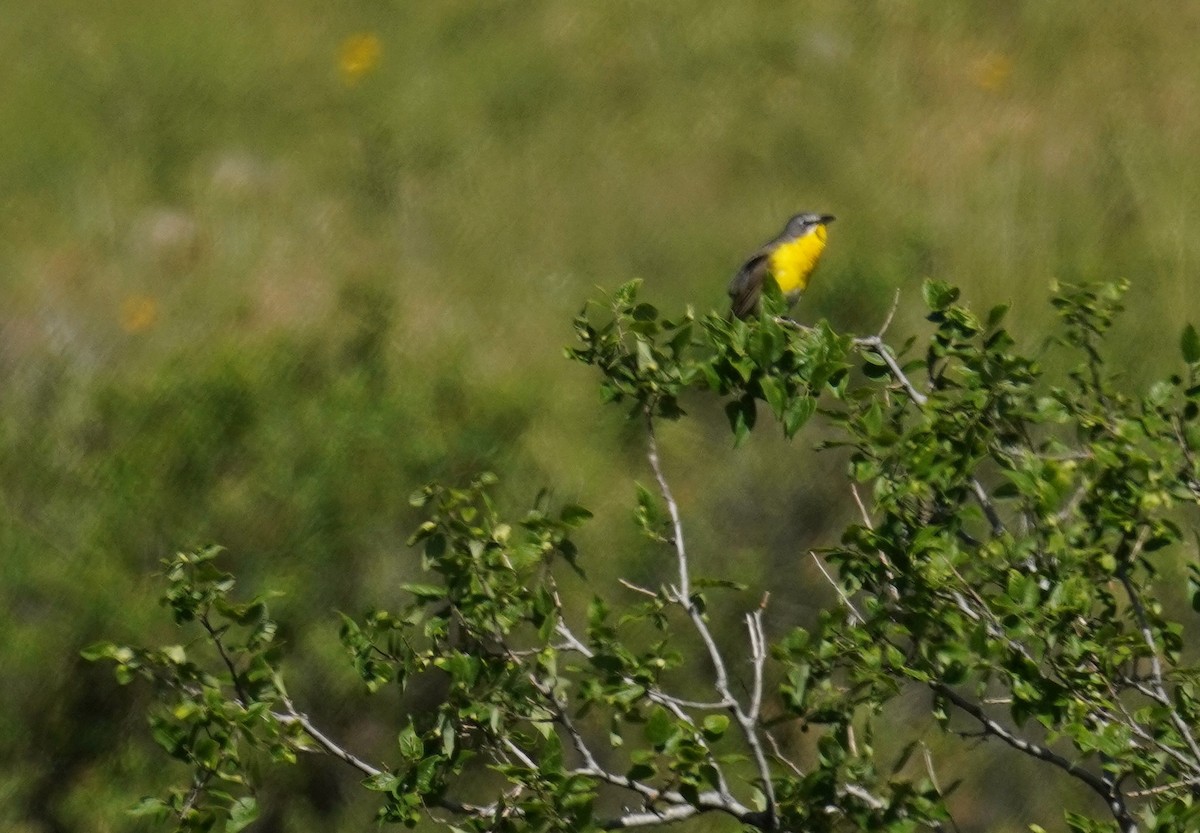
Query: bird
789, 259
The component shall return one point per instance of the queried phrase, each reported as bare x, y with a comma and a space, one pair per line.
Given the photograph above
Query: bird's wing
746, 286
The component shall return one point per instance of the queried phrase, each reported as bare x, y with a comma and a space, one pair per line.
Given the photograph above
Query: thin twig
783, 759
636, 588
685, 585
322, 740
672, 704
933, 779
1156, 668
758, 655
887, 322
215, 636
748, 724
1105, 788
855, 617
890, 573
876, 345
865, 797
1163, 788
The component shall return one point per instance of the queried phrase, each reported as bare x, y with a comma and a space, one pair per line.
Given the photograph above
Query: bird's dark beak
827, 218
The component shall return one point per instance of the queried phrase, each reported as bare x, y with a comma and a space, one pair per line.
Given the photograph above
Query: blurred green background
269, 266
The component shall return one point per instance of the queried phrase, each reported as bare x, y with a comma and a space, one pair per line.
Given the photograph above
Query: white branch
322, 740
876, 345
1156, 668
748, 724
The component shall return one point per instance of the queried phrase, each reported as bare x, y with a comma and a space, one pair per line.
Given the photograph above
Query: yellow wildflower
358, 56
138, 314
992, 71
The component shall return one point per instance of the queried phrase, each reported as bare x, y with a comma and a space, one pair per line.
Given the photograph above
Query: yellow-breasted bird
790, 259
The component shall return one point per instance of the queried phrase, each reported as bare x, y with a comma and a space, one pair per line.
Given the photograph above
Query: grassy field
268, 267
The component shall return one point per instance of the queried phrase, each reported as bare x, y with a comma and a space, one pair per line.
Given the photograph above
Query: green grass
354, 288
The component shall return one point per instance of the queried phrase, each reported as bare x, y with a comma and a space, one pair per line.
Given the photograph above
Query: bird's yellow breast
793, 262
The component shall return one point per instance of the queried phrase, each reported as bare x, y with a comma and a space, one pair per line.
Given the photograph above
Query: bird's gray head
802, 224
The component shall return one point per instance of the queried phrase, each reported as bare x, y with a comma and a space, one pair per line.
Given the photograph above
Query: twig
322, 740
887, 322
862, 507
636, 588
933, 779
1102, 786
855, 617
706, 801
783, 759
672, 704
875, 344
215, 636
758, 655
1163, 788
865, 797
199, 781
893, 593
1156, 669
748, 724
685, 586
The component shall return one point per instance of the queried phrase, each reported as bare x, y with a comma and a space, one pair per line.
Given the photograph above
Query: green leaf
1189, 344
242, 813
939, 295
382, 782
800, 411
427, 772
741, 414
659, 727
641, 770
425, 592
411, 746
98, 651
645, 356
574, 515
626, 292
996, 315
775, 393
644, 312
150, 806
715, 725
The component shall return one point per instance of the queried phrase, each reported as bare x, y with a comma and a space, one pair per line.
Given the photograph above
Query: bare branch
865, 797
887, 322
685, 587
758, 655
855, 617
876, 345
1102, 786
862, 507
636, 588
779, 756
748, 724
672, 704
648, 818
1156, 668
322, 740
1190, 783
680, 809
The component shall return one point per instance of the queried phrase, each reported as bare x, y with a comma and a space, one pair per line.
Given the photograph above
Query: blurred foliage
267, 267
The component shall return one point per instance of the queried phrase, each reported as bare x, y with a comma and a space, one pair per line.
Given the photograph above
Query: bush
1013, 524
